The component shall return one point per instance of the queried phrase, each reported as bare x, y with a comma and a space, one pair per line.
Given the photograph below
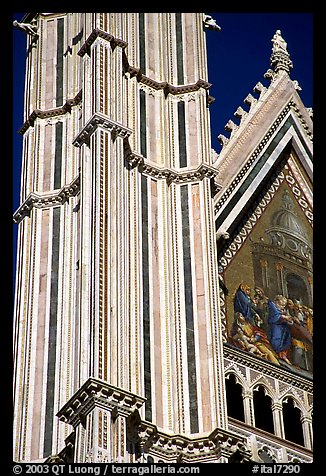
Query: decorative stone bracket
46, 199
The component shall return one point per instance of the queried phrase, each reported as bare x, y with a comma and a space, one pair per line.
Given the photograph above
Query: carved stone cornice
58, 111
170, 175
95, 392
97, 33
100, 120
46, 199
167, 88
187, 449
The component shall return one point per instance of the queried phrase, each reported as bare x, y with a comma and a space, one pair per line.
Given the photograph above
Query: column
277, 419
307, 431
248, 407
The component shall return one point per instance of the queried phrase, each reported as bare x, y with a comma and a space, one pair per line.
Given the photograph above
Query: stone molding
46, 199
134, 159
132, 71
170, 175
95, 392
100, 120
178, 448
58, 111
98, 33
267, 368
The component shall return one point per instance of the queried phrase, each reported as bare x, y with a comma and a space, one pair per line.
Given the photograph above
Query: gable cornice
270, 103
224, 161
237, 188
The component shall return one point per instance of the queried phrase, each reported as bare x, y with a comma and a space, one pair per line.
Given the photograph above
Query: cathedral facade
163, 306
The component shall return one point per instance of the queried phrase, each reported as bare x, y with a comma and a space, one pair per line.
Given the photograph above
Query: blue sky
238, 57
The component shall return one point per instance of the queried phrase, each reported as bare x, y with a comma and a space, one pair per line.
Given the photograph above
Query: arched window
263, 410
297, 289
292, 422
234, 398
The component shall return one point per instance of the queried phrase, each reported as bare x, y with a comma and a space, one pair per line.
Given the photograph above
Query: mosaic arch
267, 273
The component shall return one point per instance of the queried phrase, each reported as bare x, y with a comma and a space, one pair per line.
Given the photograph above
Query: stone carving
49, 113
260, 88
250, 100
310, 112
222, 233
45, 200
180, 448
278, 42
231, 127
241, 113
210, 23
29, 28
296, 85
266, 454
280, 58
222, 139
100, 120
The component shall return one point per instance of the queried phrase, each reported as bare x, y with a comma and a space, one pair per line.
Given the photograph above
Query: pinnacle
280, 59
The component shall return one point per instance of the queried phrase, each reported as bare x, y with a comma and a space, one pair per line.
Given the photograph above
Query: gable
240, 177
270, 248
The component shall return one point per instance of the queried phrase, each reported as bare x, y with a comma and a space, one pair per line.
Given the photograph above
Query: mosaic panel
267, 275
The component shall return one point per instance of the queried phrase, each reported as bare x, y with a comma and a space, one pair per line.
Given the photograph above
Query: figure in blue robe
279, 328
243, 304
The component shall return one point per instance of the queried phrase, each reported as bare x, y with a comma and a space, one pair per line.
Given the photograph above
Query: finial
280, 58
